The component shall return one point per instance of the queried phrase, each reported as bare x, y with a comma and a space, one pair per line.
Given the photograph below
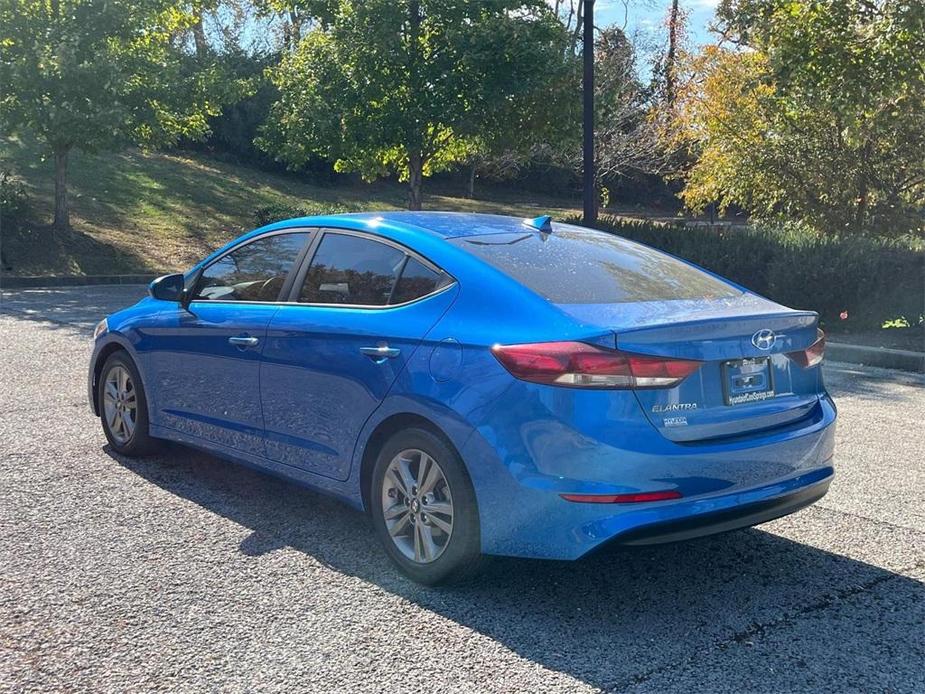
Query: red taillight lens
580, 365
812, 355
637, 498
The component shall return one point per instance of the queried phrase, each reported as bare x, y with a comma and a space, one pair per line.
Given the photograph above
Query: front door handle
243, 341
381, 353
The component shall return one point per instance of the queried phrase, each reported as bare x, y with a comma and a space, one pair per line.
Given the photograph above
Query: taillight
812, 355
581, 365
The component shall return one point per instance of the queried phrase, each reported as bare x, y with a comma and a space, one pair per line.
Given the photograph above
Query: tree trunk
199, 37
671, 56
62, 212
415, 175
293, 31
470, 191
579, 23
860, 213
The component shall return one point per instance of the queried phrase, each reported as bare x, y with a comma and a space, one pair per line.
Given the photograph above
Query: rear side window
573, 265
356, 271
416, 280
253, 272
352, 270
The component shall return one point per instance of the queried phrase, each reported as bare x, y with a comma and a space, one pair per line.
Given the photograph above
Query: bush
267, 214
873, 280
13, 200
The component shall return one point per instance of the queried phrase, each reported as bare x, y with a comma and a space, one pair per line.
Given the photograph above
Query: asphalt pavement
185, 572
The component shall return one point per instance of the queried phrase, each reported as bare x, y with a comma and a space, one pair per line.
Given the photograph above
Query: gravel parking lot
186, 572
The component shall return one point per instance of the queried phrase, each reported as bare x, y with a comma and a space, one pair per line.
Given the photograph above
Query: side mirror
168, 288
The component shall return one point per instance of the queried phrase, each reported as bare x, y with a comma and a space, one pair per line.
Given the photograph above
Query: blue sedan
480, 385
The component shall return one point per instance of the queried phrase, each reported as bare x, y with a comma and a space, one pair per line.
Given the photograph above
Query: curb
72, 281
902, 359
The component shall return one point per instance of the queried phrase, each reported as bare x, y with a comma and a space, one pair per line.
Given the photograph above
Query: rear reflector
580, 365
622, 498
812, 355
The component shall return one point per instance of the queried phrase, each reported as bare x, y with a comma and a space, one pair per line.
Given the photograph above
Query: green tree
293, 16
822, 118
412, 86
99, 74
536, 123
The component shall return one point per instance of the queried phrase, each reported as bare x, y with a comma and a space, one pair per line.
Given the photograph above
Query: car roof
424, 232
444, 224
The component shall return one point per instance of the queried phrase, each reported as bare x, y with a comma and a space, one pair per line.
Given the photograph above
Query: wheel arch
105, 351
387, 428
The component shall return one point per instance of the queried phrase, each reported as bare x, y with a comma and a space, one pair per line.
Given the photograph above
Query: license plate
747, 380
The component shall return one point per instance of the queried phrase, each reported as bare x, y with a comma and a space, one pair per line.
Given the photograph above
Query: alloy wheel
417, 506
120, 404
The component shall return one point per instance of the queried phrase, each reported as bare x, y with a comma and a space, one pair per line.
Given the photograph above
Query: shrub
873, 280
267, 214
13, 199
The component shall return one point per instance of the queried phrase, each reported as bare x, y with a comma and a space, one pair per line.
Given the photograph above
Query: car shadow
614, 619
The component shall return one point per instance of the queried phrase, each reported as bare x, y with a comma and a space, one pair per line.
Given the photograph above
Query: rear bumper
735, 518
559, 529
724, 485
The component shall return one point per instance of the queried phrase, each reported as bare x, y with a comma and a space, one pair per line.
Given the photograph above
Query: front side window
253, 272
352, 270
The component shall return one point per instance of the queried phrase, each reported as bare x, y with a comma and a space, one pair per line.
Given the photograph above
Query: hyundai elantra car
479, 385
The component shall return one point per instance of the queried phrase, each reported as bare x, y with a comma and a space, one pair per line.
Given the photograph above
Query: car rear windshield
573, 265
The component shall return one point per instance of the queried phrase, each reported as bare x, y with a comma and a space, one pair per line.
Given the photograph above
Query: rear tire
123, 407
424, 510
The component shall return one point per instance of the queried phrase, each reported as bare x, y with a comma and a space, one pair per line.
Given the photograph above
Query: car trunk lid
746, 382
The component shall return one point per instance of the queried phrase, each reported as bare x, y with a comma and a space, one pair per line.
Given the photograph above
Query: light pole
590, 197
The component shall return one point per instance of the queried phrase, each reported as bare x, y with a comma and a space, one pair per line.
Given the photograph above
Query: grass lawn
136, 212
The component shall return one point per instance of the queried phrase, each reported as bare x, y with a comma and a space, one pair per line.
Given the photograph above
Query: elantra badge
764, 339
674, 407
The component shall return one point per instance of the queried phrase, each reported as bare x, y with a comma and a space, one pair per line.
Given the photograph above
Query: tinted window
573, 265
254, 272
351, 270
416, 280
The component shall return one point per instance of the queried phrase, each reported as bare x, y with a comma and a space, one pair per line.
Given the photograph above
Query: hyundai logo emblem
764, 339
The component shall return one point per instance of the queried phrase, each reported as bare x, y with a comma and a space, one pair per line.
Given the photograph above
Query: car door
359, 309
204, 360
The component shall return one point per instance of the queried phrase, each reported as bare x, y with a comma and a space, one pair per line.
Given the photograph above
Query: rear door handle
381, 353
243, 341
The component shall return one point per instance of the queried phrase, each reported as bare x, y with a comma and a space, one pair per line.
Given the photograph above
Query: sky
642, 19
648, 16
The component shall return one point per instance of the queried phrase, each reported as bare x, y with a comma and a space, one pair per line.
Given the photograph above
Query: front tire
123, 407
424, 509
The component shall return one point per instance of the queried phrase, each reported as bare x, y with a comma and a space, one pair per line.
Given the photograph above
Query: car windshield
573, 265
